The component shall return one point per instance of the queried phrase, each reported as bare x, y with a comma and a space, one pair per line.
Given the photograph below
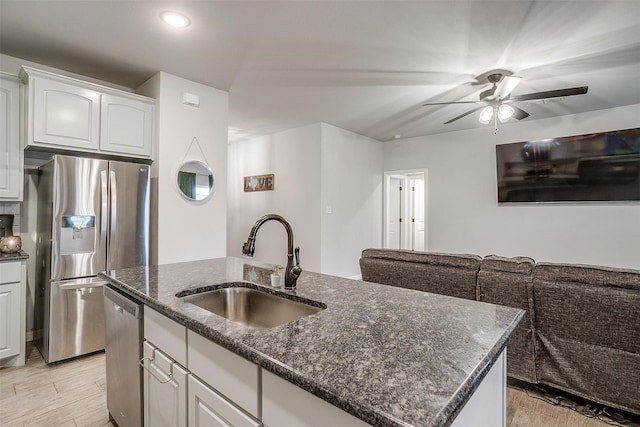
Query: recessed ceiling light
175, 19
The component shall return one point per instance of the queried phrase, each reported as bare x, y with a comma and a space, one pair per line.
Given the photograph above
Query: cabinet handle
150, 359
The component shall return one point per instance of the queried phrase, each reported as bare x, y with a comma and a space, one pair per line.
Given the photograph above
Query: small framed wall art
258, 183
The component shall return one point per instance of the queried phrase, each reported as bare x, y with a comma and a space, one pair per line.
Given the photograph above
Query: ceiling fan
496, 102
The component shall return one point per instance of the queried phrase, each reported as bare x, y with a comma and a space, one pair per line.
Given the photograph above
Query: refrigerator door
76, 318
128, 237
79, 217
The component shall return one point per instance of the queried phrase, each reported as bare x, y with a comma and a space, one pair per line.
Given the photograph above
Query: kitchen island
387, 356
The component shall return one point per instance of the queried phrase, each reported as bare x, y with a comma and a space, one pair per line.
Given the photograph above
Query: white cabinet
487, 406
12, 312
207, 408
127, 126
166, 334
221, 388
70, 115
164, 374
165, 389
64, 115
229, 374
284, 404
11, 163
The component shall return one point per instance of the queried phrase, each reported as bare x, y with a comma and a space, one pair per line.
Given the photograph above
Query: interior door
128, 236
395, 212
417, 221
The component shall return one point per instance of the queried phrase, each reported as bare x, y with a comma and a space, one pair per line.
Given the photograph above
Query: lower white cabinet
284, 404
221, 388
207, 408
12, 312
232, 376
487, 406
165, 389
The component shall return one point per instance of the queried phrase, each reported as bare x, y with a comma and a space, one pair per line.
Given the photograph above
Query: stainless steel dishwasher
123, 324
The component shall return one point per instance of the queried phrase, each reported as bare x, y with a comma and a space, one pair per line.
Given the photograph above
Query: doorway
405, 210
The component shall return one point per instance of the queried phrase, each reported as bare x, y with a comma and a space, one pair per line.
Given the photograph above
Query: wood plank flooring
72, 394
69, 394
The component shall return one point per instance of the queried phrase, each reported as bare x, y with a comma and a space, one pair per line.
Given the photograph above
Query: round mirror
195, 180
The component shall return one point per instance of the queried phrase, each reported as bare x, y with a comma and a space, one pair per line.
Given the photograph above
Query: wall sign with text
258, 183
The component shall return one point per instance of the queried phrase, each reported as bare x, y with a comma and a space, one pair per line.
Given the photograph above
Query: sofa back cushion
588, 331
509, 281
446, 274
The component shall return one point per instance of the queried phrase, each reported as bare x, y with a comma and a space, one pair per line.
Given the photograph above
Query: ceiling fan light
505, 111
485, 115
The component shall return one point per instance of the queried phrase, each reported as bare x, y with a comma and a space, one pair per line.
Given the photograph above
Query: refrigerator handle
104, 215
113, 222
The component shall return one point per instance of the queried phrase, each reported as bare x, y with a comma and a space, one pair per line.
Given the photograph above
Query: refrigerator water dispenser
77, 234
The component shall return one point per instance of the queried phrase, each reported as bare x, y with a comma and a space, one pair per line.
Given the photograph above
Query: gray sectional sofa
582, 331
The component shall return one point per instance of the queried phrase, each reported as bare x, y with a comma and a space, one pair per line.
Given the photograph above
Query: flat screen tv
598, 167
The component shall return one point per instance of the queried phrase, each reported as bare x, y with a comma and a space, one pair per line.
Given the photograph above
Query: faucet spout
292, 272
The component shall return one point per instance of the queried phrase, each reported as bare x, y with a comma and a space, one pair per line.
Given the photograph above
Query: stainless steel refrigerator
93, 215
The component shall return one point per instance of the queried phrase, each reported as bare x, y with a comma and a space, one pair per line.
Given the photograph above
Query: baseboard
28, 337
356, 277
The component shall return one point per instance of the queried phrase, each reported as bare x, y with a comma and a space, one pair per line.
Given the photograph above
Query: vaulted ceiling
360, 65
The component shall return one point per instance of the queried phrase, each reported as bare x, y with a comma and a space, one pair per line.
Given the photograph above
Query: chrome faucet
291, 272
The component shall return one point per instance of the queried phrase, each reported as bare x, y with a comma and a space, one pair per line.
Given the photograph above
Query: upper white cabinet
127, 125
11, 163
72, 115
64, 115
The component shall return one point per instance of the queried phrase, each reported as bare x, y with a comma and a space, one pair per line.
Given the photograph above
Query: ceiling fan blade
463, 115
551, 94
519, 113
454, 102
506, 86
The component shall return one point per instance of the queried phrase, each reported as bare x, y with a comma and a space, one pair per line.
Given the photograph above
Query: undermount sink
251, 307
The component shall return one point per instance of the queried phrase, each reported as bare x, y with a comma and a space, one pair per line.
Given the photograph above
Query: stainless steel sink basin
252, 307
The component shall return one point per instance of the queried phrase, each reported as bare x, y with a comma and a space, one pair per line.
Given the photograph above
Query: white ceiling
363, 66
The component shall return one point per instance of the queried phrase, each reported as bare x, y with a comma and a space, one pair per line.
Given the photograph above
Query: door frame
405, 174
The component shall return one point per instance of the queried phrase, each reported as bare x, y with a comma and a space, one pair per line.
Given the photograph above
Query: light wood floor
72, 394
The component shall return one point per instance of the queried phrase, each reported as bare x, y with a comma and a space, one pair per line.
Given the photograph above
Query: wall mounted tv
598, 167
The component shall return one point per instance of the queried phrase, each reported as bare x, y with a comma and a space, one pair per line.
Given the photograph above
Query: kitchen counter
15, 256
389, 356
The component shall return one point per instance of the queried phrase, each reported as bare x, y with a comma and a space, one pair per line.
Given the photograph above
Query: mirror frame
203, 165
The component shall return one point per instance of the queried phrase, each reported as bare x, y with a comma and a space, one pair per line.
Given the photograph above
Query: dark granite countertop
389, 356
15, 256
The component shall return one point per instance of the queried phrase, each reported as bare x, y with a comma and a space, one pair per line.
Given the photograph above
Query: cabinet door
9, 320
284, 404
10, 153
126, 126
165, 390
233, 376
65, 115
209, 409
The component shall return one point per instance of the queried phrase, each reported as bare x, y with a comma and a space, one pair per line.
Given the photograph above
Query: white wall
293, 157
315, 167
464, 216
352, 190
187, 230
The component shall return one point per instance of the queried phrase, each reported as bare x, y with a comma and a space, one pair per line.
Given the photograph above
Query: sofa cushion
508, 281
588, 331
446, 274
